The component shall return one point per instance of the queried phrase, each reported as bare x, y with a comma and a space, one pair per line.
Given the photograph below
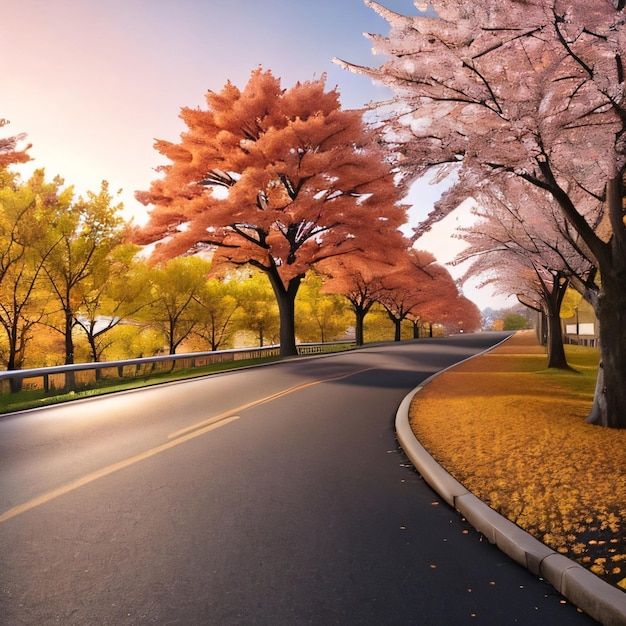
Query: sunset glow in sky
93, 83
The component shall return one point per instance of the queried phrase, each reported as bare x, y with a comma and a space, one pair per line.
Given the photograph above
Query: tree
259, 311
462, 316
319, 316
23, 301
414, 285
114, 291
447, 308
279, 179
515, 321
83, 233
218, 301
535, 258
532, 90
359, 279
9, 154
174, 289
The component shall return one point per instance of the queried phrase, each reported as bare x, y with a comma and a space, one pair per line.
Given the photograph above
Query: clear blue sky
94, 82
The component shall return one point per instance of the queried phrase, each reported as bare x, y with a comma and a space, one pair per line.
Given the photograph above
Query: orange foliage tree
279, 179
458, 314
9, 154
359, 279
416, 284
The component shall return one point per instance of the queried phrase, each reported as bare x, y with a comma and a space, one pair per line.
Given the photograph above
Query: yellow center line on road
258, 401
106, 471
175, 439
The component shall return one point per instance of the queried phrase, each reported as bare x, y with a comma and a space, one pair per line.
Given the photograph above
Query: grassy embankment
515, 435
33, 398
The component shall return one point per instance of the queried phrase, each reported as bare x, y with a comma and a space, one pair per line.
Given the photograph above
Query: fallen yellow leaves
516, 437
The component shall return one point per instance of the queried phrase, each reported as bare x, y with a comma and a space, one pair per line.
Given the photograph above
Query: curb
597, 598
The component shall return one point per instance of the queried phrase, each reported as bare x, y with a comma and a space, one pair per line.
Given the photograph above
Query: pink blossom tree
522, 241
529, 89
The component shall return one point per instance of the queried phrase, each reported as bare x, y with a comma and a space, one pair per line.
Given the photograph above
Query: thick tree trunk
553, 294
610, 307
556, 350
286, 309
610, 399
286, 298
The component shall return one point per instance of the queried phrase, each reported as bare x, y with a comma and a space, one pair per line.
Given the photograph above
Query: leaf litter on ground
514, 433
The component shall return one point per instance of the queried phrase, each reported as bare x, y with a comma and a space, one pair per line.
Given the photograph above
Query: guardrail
78, 375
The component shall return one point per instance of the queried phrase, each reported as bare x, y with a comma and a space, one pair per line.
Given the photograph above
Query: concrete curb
599, 599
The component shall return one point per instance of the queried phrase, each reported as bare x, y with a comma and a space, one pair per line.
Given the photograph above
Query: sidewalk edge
597, 598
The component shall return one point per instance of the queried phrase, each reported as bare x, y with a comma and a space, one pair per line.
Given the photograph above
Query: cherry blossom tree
522, 241
532, 90
275, 178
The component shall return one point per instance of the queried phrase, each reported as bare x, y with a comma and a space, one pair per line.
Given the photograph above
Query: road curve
272, 495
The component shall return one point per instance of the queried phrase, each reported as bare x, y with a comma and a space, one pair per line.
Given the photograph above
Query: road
274, 495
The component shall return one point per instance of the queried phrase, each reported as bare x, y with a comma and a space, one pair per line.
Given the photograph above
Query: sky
94, 83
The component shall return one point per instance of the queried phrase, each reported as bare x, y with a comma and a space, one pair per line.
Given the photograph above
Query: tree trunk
553, 294
610, 399
360, 311
70, 375
358, 327
556, 350
69, 339
15, 384
544, 329
286, 299
398, 333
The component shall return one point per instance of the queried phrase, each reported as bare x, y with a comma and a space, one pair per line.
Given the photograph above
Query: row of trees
285, 181
68, 269
525, 102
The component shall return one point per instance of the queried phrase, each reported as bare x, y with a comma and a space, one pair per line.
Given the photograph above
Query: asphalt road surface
274, 495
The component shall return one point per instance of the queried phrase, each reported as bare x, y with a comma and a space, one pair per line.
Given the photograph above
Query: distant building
582, 327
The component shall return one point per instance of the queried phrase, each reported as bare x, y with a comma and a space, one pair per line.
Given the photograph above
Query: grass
33, 398
515, 435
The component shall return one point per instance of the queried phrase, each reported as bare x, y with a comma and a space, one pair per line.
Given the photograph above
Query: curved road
274, 495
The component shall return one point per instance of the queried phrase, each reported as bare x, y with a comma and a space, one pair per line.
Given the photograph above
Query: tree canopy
279, 179
532, 90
